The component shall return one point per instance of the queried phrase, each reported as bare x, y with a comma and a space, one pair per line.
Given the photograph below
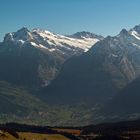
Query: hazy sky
106, 17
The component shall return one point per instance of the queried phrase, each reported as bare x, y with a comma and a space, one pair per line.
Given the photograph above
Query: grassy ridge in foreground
32, 136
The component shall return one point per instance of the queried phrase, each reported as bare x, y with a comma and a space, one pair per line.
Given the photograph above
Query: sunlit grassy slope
32, 136
35, 136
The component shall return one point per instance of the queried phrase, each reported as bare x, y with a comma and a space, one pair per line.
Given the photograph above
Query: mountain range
100, 73
36, 56
76, 79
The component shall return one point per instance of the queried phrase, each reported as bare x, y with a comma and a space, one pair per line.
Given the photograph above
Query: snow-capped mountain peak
62, 41
137, 29
124, 32
135, 32
84, 34
51, 41
131, 36
23, 34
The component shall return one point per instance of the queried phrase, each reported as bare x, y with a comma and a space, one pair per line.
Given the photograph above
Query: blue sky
106, 17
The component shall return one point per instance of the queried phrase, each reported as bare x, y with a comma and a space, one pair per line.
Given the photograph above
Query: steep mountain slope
34, 58
125, 105
18, 103
97, 75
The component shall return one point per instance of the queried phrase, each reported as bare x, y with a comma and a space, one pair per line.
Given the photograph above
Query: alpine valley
71, 80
